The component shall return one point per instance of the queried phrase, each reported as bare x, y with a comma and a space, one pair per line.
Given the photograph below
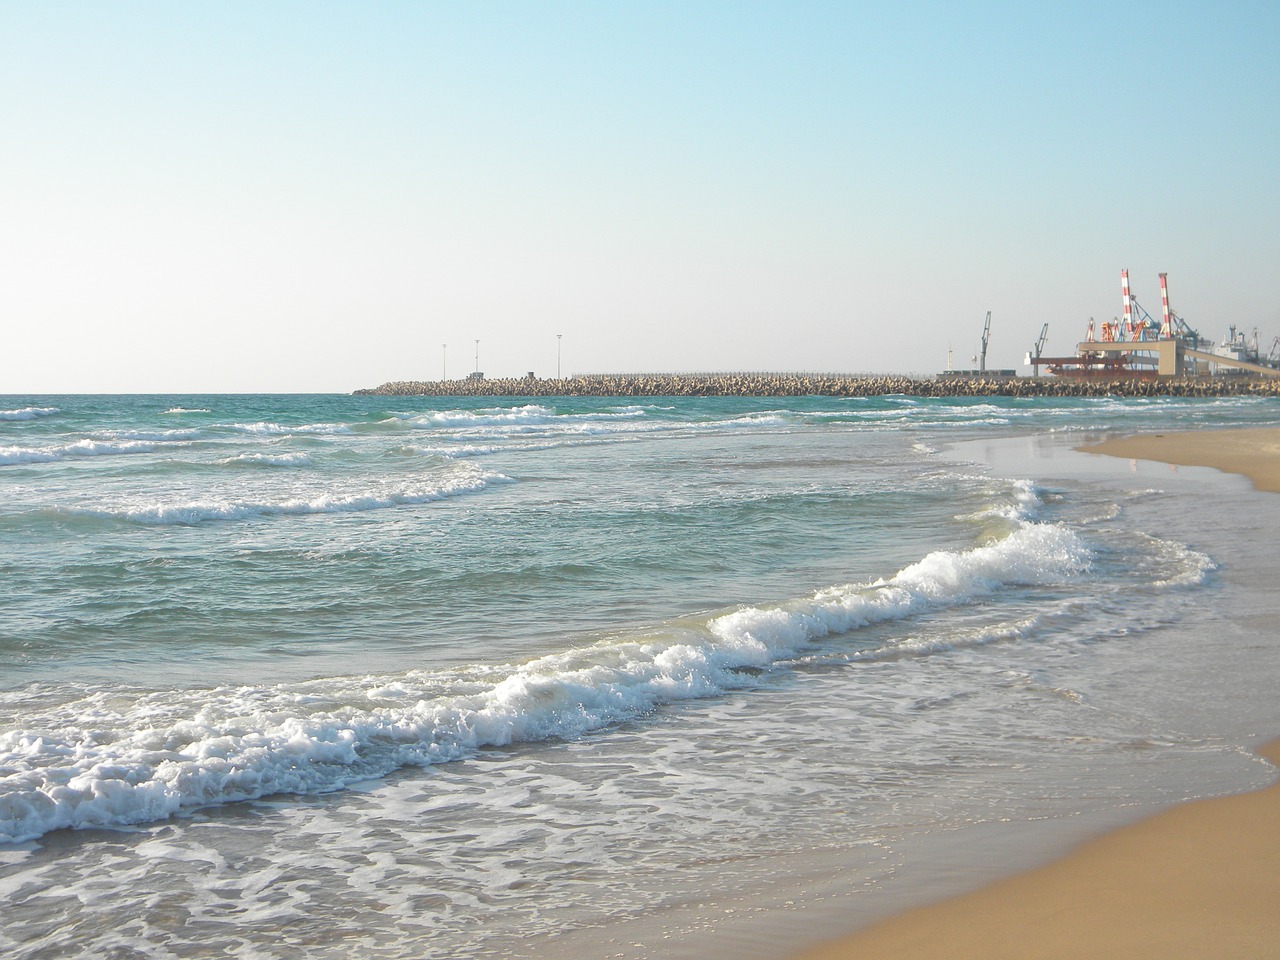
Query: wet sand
1198, 880
1255, 453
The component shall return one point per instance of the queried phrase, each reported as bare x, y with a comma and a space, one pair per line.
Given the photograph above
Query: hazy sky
272, 196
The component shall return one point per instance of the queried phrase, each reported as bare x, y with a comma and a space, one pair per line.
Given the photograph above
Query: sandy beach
1194, 881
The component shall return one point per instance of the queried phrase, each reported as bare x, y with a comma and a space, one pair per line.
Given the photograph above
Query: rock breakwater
826, 385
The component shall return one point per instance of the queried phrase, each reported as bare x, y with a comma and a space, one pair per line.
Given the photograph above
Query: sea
314, 676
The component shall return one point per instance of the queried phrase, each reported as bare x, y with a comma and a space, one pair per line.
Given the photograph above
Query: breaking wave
123, 758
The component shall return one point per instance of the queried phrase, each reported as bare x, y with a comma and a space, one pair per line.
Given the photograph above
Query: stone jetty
827, 385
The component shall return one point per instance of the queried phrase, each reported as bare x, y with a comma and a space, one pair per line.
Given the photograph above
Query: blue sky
317, 196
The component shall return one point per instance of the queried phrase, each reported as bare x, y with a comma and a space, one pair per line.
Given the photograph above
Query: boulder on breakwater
827, 385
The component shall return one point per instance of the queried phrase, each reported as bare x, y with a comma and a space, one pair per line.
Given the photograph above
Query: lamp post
444, 362
558, 336
477, 356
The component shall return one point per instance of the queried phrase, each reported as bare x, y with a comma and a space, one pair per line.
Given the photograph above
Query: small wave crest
391, 495
155, 436
1033, 554
267, 460
29, 413
81, 448
263, 428
19, 455
1181, 565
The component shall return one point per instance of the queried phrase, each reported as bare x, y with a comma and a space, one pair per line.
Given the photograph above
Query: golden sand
1199, 880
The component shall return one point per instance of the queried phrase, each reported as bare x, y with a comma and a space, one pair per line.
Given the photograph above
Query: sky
322, 196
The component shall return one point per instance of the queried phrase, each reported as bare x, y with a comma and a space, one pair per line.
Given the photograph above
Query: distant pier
827, 385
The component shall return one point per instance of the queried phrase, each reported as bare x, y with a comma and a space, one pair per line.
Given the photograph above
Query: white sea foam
28, 413
386, 495
922, 646
187, 410
119, 761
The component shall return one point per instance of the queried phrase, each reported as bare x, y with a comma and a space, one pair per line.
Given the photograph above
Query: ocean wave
594, 427
81, 448
528, 414
455, 452
1023, 504
1033, 554
29, 413
155, 436
187, 410
264, 428
267, 460
107, 760
536, 420
19, 455
196, 511
1179, 564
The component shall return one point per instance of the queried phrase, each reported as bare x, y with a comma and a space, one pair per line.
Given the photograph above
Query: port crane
986, 337
1038, 349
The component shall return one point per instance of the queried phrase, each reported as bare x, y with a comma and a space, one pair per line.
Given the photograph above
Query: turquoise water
419, 677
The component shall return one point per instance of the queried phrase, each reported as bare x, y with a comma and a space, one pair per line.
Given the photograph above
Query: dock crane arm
1044, 337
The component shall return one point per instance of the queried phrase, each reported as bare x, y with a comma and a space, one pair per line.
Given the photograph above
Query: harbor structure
1139, 347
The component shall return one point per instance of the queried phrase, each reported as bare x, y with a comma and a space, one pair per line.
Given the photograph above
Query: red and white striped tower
1166, 325
1089, 336
1128, 304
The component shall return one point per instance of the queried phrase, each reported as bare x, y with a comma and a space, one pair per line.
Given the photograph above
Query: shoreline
1195, 880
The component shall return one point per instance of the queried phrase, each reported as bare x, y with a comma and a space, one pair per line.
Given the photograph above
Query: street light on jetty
558, 336
444, 362
477, 357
